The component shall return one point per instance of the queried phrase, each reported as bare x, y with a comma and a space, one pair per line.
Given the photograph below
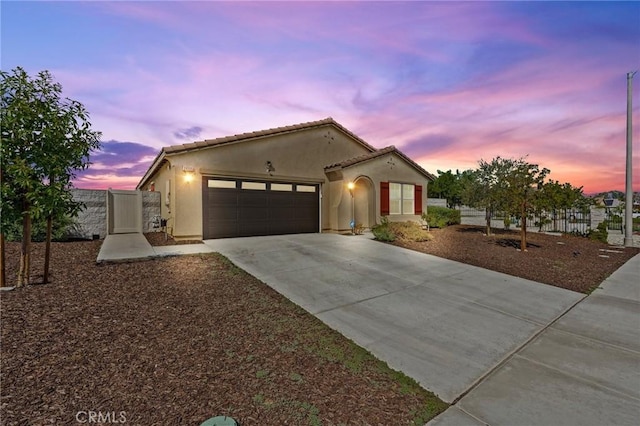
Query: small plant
405, 231
261, 374
358, 229
382, 232
542, 222
296, 377
441, 217
600, 233
410, 231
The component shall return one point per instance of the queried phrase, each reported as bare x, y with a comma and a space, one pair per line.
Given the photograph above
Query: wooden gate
125, 211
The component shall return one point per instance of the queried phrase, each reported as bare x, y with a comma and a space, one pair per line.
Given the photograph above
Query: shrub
62, 227
410, 231
599, 234
441, 217
403, 231
382, 232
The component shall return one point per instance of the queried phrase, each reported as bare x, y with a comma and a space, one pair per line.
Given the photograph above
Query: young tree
45, 139
483, 188
521, 183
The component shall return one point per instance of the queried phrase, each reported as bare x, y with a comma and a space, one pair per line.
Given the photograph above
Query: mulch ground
566, 261
161, 239
176, 341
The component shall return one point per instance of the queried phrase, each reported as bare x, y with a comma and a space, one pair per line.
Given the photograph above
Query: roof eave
155, 165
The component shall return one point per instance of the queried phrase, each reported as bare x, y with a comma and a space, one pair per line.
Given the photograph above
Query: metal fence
576, 221
613, 219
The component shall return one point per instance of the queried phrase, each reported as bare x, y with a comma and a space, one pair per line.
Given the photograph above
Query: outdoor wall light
188, 173
269, 167
351, 186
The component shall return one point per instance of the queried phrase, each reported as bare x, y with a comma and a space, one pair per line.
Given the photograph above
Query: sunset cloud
449, 83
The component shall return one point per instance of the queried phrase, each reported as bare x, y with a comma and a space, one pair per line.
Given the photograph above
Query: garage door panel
281, 198
223, 212
249, 197
248, 229
222, 196
253, 213
258, 210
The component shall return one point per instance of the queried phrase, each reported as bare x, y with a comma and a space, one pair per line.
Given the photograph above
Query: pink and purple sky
449, 83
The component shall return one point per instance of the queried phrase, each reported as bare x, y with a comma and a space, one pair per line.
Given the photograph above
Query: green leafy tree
483, 188
447, 185
521, 183
554, 196
45, 140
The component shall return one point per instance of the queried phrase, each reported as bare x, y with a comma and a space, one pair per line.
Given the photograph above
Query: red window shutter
384, 198
417, 199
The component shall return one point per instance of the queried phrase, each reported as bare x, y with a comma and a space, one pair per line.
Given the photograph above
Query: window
216, 183
305, 188
261, 186
281, 187
401, 198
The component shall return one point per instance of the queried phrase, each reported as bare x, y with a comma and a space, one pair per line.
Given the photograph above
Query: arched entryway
363, 196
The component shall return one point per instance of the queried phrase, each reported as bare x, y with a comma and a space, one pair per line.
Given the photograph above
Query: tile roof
374, 153
263, 133
378, 153
360, 158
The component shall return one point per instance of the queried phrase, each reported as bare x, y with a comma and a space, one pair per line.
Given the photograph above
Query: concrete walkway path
124, 247
443, 323
582, 370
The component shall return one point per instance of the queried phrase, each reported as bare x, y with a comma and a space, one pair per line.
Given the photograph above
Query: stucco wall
386, 168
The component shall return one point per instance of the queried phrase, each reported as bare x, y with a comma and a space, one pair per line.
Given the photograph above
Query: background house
309, 177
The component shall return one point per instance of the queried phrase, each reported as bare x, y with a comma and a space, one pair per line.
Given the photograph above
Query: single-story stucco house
310, 177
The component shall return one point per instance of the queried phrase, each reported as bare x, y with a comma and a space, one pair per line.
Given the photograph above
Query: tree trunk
487, 216
523, 232
25, 251
47, 251
3, 277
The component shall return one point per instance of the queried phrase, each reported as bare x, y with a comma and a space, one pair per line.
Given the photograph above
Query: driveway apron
443, 323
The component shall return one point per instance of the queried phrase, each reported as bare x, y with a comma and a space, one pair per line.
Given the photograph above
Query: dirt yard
566, 261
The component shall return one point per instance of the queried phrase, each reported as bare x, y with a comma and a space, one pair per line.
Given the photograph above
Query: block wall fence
92, 219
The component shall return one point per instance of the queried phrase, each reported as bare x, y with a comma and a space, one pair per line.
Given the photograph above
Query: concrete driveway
444, 323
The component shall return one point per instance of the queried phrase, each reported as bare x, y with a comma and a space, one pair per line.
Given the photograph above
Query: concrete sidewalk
123, 247
584, 369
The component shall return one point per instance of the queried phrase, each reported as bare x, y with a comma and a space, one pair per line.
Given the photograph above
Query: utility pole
628, 209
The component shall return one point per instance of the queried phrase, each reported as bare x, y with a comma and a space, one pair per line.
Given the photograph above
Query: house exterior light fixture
351, 186
188, 173
270, 169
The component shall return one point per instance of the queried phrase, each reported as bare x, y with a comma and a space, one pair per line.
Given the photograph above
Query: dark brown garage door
242, 208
